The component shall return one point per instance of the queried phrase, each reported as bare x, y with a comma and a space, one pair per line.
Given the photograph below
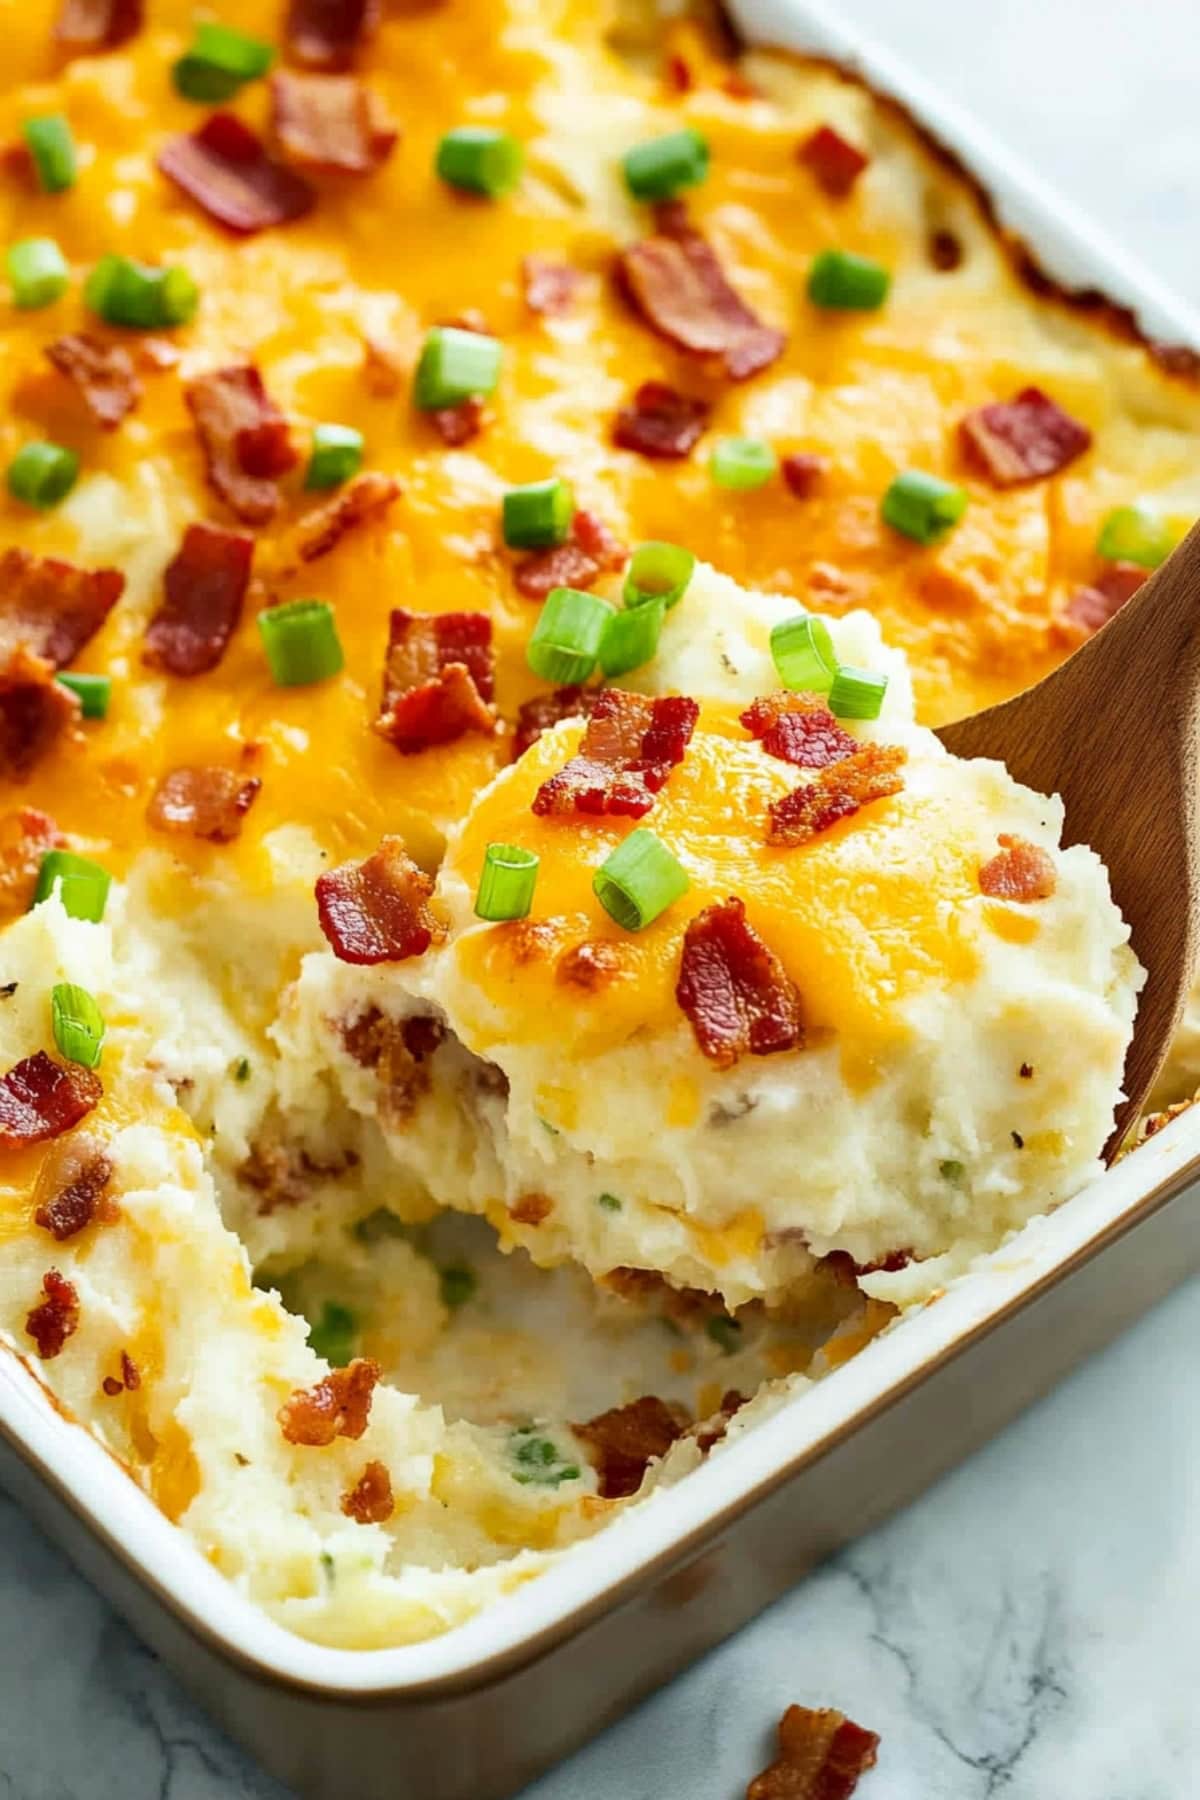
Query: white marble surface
1028, 1630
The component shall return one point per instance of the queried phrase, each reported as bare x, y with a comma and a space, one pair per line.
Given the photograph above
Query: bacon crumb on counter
1019, 871
367, 497
103, 375
332, 123
798, 729
822, 1753
85, 26
35, 711
56, 1317
1094, 605
661, 422
244, 437
208, 802
337, 1406
457, 425
834, 161
438, 679
52, 607
803, 473
549, 287
1026, 439
546, 710
836, 792
25, 836
629, 748
76, 1187
734, 991
591, 550
224, 167
370, 1501
204, 586
377, 910
675, 280
623, 1442
327, 34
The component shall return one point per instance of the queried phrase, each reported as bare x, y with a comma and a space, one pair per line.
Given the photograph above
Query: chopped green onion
843, 282
82, 885
803, 653
337, 453
539, 1462
631, 638
1136, 534
658, 572
78, 1024
663, 166
507, 882
922, 506
609, 1202
538, 515
42, 474
952, 1170
857, 693
241, 1069
94, 693
455, 365
333, 1335
38, 271
301, 641
639, 881
219, 62
725, 1331
742, 462
124, 292
53, 151
458, 1284
565, 642
480, 160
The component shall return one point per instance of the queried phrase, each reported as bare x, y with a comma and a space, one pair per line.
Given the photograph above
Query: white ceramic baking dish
477, 1713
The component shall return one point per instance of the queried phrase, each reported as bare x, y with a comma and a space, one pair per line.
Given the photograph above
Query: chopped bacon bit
945, 251
1020, 440
367, 497
679, 75
592, 965
623, 1442
326, 34
225, 169
244, 437
204, 585
25, 836
130, 1379
1019, 871
550, 287
1094, 605
92, 25
397, 1049
531, 1209
822, 1753
103, 374
546, 710
457, 425
438, 679
382, 370
836, 163
40, 1099
56, 1318
734, 990
334, 123
378, 910
52, 607
660, 421
112, 1387
284, 1178
590, 551
79, 1194
710, 1431
803, 472
209, 802
676, 281
799, 729
872, 773
846, 1271
629, 748
338, 1406
35, 711
370, 1501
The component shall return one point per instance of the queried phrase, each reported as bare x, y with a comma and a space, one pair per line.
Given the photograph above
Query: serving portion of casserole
497, 988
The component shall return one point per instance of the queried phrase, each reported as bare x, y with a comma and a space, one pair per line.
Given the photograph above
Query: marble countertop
1028, 1629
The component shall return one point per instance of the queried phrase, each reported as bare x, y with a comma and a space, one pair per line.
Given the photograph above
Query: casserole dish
667, 1572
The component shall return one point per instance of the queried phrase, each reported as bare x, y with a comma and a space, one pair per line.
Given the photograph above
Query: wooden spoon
1115, 732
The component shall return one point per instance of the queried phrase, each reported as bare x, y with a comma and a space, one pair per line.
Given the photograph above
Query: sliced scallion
42, 474
662, 167
454, 366
843, 282
78, 1024
82, 885
53, 151
458, 1283
1135, 534
334, 1334
506, 883
923, 507
301, 640
124, 292
336, 455
480, 159
742, 463
857, 693
220, 61
538, 515
631, 638
38, 272
639, 880
94, 692
565, 642
803, 653
658, 571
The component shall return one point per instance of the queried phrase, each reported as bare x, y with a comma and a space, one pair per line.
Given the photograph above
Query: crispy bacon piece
438, 679
590, 551
945, 250
25, 836
872, 773
629, 748
244, 437
1026, 439
52, 607
93, 25
333, 123
549, 287
734, 990
846, 1271
457, 425
660, 421
103, 374
1019, 871
836, 163
798, 729
377, 911
225, 169
822, 1753
398, 1050
338, 1406
56, 1317
35, 711
370, 1501
207, 802
327, 34
678, 285
367, 497
531, 1209
623, 1442
1094, 605
41, 1098
803, 473
546, 710
130, 1379
76, 1189
203, 588
284, 1177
